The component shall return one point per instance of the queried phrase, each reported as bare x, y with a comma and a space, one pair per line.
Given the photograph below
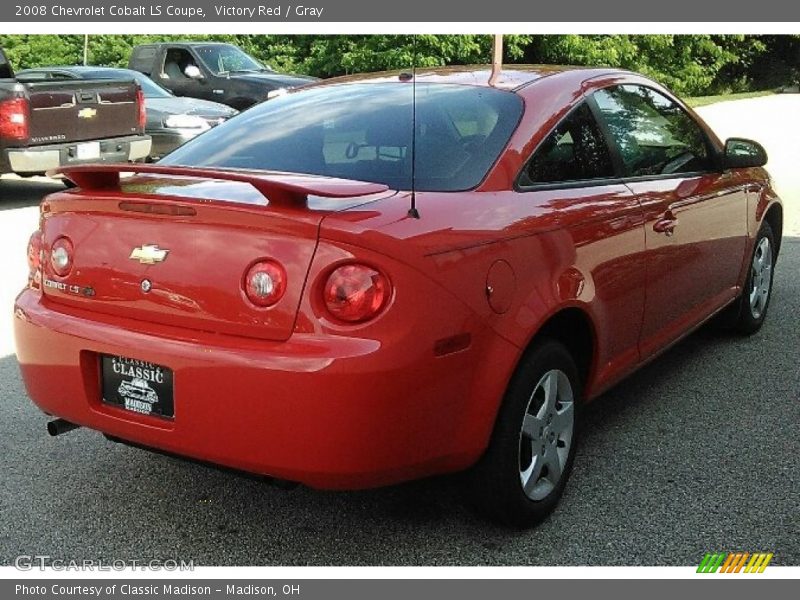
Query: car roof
186, 43
510, 77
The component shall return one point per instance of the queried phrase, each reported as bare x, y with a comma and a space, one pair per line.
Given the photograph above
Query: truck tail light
14, 119
142, 120
265, 283
355, 293
61, 256
35, 257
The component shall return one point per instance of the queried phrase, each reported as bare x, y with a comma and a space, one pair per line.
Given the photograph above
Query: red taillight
14, 119
35, 256
142, 108
61, 256
355, 293
265, 283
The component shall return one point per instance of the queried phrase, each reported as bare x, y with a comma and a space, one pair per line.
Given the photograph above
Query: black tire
495, 483
741, 317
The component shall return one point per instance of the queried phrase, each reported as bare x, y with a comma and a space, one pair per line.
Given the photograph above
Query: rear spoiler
275, 186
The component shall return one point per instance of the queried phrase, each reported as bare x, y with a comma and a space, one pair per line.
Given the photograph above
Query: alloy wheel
546, 434
760, 278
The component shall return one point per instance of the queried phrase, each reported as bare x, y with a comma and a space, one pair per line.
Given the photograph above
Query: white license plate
89, 151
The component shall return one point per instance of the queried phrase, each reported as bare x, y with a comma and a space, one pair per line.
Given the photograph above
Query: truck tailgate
74, 111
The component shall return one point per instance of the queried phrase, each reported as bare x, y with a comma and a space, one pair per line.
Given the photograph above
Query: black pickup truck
212, 71
49, 124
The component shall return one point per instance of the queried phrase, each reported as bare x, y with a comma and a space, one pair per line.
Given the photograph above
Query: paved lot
699, 451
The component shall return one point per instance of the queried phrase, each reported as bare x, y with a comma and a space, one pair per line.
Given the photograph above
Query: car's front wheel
747, 314
522, 475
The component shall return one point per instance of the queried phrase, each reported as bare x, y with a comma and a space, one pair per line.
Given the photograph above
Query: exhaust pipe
59, 426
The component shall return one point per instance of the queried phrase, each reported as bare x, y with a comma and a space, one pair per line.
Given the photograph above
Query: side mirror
742, 154
193, 72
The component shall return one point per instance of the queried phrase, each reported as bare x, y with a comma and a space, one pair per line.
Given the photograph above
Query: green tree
689, 64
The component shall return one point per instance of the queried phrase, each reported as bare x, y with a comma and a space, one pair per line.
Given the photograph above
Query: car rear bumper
40, 159
328, 412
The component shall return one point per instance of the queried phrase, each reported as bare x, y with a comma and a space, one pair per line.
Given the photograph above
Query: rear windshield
364, 132
149, 87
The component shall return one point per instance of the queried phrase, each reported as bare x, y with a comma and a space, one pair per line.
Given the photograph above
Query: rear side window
575, 151
33, 76
364, 132
654, 135
61, 76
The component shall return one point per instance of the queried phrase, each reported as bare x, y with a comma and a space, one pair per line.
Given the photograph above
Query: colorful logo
734, 562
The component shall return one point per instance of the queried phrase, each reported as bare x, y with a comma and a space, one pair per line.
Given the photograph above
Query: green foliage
689, 64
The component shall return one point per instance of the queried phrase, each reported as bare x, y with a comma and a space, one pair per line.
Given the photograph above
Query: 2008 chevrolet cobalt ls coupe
388, 277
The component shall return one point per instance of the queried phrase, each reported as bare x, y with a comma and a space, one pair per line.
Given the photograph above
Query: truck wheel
522, 475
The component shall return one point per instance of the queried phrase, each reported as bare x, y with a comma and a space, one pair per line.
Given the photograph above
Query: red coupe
392, 276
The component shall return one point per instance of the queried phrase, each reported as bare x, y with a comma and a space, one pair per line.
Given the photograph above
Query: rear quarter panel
453, 389
565, 249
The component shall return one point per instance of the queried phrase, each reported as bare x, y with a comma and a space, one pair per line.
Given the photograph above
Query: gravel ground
697, 452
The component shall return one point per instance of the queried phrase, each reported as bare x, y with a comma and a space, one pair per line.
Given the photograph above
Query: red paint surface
290, 391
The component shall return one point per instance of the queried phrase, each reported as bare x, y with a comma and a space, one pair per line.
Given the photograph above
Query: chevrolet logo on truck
149, 254
87, 113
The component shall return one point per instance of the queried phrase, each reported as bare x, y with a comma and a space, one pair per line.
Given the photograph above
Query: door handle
665, 225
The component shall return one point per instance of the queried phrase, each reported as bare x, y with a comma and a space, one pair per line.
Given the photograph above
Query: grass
706, 100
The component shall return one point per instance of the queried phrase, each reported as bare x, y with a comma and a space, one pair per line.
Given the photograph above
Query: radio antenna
413, 212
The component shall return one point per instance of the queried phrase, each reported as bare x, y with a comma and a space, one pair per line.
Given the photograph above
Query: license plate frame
137, 386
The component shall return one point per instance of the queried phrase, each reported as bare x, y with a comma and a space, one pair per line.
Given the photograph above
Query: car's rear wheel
747, 314
522, 475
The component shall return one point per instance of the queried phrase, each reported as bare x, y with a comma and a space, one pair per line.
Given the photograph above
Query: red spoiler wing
275, 186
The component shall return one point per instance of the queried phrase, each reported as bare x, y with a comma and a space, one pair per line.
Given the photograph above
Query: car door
210, 86
695, 214
172, 73
572, 175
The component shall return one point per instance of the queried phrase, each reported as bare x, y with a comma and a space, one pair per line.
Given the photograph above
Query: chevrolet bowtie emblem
149, 254
87, 113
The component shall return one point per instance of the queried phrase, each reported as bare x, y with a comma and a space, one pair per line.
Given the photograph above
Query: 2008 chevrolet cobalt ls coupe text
381, 278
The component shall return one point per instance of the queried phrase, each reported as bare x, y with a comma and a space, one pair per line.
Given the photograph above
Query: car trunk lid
172, 245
